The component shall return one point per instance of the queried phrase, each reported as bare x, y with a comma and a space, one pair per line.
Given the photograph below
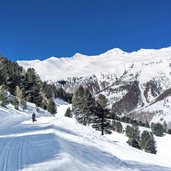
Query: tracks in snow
26, 145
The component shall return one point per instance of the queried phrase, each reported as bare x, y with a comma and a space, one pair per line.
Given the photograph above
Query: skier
33, 117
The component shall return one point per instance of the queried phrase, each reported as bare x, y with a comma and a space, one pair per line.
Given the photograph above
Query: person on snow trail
34, 117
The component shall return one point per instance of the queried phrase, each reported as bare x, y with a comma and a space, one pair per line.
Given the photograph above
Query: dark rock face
130, 101
127, 94
163, 95
152, 89
88, 82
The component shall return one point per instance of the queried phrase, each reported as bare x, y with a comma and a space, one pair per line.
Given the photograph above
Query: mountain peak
114, 51
79, 56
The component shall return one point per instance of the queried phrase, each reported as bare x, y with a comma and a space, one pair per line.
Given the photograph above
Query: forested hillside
26, 85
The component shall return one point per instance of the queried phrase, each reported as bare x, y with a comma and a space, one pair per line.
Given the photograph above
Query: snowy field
61, 144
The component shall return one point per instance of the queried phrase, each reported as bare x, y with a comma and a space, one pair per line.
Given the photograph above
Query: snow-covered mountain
136, 83
113, 61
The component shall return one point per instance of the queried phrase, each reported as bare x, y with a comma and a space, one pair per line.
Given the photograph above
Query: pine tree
134, 143
151, 145
15, 102
145, 136
169, 131
68, 113
114, 125
147, 142
11, 74
157, 129
88, 105
83, 104
51, 107
133, 134
32, 85
119, 127
102, 101
3, 96
78, 97
128, 131
23, 103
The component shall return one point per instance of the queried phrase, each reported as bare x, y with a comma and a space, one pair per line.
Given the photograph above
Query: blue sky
38, 29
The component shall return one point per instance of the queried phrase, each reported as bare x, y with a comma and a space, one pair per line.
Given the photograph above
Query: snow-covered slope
60, 143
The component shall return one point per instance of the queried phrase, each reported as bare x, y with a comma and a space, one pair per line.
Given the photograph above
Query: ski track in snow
61, 144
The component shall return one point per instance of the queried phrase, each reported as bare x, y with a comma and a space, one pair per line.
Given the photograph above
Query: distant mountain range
137, 84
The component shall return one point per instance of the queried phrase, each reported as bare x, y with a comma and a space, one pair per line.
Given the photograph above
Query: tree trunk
102, 124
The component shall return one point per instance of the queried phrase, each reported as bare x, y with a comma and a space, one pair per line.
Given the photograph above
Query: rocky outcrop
129, 102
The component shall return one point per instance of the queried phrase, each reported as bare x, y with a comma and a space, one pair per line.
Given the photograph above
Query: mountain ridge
114, 74
83, 65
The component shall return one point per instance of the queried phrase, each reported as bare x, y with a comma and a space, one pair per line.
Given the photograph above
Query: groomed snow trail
61, 144
35, 146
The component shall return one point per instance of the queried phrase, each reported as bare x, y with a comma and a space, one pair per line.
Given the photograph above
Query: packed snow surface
148, 61
62, 144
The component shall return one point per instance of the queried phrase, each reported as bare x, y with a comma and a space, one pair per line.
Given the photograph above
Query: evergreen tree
68, 113
151, 145
2, 79
15, 102
134, 143
114, 125
128, 131
83, 105
3, 96
117, 126
32, 85
50, 90
60, 93
78, 97
147, 142
23, 103
169, 131
133, 134
102, 101
145, 136
52, 107
11, 74
157, 129
87, 106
